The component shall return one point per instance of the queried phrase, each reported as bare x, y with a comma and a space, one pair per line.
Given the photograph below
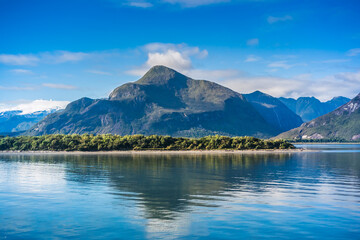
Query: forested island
109, 142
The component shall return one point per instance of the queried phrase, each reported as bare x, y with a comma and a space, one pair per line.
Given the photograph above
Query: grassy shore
108, 142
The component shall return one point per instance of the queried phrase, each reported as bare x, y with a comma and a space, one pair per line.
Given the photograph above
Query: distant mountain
274, 111
15, 121
309, 108
162, 102
342, 123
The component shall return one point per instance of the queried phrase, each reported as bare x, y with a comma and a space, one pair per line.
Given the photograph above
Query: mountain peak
259, 93
160, 68
160, 74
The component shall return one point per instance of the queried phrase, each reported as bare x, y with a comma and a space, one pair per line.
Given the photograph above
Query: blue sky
64, 50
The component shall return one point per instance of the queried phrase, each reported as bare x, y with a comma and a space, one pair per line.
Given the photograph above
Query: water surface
304, 195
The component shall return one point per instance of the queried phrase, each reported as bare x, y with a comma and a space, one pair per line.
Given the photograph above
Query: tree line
109, 142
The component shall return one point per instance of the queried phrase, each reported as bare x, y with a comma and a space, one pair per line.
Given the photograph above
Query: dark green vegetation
110, 142
162, 102
274, 111
309, 108
343, 123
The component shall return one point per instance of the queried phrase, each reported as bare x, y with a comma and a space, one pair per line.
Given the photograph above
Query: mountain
162, 102
274, 111
16, 121
342, 123
309, 108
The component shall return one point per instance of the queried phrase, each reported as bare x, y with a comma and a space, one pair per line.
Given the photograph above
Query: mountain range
15, 121
166, 102
342, 123
309, 108
162, 102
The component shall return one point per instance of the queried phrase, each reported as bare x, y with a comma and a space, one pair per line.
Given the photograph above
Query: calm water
308, 195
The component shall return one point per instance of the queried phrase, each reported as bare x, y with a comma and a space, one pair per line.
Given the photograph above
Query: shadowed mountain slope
274, 111
162, 102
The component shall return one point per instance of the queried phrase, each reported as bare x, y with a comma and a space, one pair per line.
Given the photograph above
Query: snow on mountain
33, 107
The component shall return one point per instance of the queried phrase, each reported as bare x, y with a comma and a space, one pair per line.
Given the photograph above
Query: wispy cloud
14, 88
19, 59
353, 52
22, 71
252, 58
334, 61
285, 18
59, 86
140, 4
280, 64
284, 64
182, 3
195, 3
54, 57
63, 56
252, 42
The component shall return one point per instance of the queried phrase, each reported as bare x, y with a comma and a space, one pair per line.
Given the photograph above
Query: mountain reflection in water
174, 196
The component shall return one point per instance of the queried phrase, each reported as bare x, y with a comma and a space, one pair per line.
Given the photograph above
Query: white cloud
252, 58
272, 19
22, 71
59, 86
353, 52
35, 106
169, 58
183, 48
99, 72
176, 56
252, 42
19, 59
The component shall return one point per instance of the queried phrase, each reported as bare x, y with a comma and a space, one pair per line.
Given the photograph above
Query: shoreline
325, 143
158, 152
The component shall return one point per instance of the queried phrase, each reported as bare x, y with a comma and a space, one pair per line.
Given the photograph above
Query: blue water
305, 195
